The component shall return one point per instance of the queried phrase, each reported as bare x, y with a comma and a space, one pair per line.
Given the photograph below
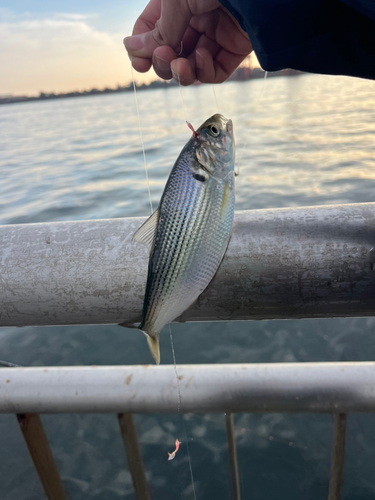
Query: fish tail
153, 344
152, 340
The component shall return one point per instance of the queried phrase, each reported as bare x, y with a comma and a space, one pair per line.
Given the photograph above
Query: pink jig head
192, 129
172, 455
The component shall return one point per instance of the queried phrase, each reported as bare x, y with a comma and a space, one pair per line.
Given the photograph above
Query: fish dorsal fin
146, 233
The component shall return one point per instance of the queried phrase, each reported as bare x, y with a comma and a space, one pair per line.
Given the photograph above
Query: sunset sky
65, 45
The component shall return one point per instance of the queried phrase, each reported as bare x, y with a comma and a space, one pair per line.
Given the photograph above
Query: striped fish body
190, 231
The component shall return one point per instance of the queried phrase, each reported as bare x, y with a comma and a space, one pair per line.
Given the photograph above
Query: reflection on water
309, 140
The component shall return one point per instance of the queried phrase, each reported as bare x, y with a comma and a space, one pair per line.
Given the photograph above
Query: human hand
189, 40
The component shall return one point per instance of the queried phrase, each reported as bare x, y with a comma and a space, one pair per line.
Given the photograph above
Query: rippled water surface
304, 140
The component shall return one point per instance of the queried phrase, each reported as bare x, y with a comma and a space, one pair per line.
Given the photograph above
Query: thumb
168, 30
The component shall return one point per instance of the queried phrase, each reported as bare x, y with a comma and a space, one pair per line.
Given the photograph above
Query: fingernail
136, 42
177, 78
162, 64
199, 60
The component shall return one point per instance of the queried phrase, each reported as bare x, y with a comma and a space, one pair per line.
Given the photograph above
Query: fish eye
214, 130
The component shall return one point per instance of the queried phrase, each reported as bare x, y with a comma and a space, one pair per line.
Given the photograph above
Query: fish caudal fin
152, 341
153, 344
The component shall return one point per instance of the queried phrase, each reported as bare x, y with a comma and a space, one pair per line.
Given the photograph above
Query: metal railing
337, 388
308, 262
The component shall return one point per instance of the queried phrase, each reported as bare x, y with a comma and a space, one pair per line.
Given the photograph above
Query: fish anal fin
146, 233
132, 325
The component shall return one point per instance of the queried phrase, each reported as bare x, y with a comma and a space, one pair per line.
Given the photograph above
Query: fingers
204, 67
218, 69
160, 24
141, 65
213, 43
183, 70
221, 47
161, 60
157, 36
217, 46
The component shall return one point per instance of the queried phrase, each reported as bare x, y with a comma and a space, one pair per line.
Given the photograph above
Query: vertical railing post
338, 457
232, 452
41, 455
133, 454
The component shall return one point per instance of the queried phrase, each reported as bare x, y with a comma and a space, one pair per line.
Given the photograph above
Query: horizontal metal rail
284, 387
281, 263
289, 387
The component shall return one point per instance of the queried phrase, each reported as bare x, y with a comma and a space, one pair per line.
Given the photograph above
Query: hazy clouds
60, 52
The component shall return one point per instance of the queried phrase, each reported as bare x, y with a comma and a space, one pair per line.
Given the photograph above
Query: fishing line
170, 330
175, 371
216, 102
182, 97
179, 409
173, 351
141, 136
237, 171
261, 91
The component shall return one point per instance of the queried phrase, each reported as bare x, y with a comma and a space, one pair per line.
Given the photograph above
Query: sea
300, 141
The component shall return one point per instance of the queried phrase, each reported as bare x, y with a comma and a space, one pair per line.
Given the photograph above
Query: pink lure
192, 129
172, 455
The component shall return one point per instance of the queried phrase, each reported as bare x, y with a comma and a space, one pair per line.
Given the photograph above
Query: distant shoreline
240, 75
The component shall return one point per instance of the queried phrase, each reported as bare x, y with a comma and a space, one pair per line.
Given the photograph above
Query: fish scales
192, 227
180, 268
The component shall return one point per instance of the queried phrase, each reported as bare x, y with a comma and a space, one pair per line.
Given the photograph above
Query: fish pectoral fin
227, 199
153, 344
146, 233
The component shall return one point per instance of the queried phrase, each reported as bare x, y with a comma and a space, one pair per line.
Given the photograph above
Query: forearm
317, 36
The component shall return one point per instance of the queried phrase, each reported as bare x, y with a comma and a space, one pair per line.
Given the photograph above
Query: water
308, 141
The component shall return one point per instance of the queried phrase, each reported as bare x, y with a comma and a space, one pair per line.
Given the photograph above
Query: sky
65, 45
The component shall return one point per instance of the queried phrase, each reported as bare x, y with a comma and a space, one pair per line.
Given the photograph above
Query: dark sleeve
319, 36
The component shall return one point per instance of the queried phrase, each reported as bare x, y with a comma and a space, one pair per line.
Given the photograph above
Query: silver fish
189, 232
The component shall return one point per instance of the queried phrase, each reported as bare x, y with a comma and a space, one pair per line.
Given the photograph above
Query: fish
189, 232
